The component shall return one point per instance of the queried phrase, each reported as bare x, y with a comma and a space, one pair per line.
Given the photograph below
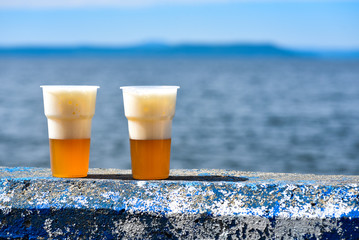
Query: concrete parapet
205, 204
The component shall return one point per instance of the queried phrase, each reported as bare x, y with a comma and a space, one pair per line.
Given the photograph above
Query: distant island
180, 50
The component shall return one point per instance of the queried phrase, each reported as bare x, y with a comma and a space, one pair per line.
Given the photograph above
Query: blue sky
296, 24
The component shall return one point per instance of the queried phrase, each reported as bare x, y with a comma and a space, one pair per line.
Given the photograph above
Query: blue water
277, 115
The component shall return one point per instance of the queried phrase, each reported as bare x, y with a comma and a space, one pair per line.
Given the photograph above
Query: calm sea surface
277, 115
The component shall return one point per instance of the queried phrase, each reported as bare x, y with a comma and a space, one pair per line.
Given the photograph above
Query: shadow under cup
69, 111
149, 111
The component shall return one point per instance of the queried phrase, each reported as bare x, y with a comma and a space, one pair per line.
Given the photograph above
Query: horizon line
177, 44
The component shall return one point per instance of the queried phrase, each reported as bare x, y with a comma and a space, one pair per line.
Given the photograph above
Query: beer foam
69, 110
149, 111
149, 130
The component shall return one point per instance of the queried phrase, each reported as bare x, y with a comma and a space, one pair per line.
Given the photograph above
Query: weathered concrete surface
204, 204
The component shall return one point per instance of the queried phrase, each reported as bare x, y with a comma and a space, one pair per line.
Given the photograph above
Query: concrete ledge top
210, 175
184, 175
191, 203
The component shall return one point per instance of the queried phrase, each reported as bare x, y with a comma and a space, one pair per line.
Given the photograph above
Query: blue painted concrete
109, 204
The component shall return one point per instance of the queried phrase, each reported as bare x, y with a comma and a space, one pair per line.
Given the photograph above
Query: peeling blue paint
16, 169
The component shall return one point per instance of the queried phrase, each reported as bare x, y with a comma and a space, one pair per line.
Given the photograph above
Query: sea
292, 115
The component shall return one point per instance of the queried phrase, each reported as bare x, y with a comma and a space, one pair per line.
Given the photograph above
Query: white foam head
69, 110
150, 110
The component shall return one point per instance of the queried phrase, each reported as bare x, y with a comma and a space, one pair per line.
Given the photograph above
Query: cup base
68, 176
151, 178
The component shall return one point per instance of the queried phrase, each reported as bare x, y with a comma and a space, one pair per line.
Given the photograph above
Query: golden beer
69, 157
150, 159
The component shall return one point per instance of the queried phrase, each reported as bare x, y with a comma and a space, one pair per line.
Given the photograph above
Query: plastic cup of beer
69, 111
149, 111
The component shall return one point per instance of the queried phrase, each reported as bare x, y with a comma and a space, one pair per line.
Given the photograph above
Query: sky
310, 24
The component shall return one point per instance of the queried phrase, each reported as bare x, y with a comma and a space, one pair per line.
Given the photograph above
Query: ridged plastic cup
69, 111
149, 111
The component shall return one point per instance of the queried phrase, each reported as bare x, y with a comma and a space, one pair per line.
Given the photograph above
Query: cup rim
149, 87
70, 86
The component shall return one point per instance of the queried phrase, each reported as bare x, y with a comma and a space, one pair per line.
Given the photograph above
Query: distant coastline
180, 50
